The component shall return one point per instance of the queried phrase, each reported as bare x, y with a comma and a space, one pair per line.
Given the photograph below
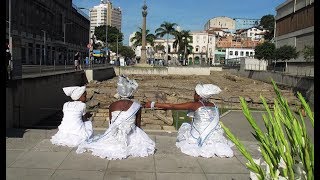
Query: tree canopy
286, 52
308, 53
137, 38
265, 51
113, 32
268, 22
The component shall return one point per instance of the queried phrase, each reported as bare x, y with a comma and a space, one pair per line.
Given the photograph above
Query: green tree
265, 51
308, 53
286, 52
166, 28
267, 22
126, 51
182, 40
113, 33
137, 38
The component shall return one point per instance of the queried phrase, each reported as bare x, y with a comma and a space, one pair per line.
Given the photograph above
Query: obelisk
144, 22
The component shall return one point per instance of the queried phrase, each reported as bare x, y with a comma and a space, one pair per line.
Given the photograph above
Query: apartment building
103, 14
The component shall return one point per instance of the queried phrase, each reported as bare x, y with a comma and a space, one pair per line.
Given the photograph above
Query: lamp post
89, 31
44, 48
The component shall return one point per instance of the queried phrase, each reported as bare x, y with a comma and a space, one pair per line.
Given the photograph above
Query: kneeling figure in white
123, 138
204, 135
75, 126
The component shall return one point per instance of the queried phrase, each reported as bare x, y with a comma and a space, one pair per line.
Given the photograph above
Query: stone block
169, 128
100, 97
167, 120
150, 121
99, 118
103, 110
153, 126
92, 103
101, 114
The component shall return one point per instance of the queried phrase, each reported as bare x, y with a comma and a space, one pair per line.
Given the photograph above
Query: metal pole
10, 38
64, 33
106, 36
117, 45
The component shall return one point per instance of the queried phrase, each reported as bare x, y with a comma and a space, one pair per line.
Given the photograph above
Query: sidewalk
30, 156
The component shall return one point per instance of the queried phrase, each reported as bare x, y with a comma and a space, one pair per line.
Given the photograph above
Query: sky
188, 14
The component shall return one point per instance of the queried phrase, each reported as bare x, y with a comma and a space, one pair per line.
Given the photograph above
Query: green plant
286, 148
308, 53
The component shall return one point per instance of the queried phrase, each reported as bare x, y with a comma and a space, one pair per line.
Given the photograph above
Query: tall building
46, 31
245, 23
295, 26
103, 13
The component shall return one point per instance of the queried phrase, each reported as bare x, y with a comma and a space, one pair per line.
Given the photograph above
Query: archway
196, 60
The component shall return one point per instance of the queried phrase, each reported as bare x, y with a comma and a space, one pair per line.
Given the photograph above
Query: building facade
221, 22
295, 27
203, 47
103, 14
244, 23
46, 32
253, 33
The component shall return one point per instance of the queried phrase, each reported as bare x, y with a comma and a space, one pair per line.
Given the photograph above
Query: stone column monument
144, 22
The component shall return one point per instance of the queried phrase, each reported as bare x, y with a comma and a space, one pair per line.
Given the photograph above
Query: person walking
76, 61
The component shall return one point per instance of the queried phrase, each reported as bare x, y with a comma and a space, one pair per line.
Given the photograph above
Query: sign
89, 46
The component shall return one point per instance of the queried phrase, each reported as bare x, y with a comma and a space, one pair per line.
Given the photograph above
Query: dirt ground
177, 89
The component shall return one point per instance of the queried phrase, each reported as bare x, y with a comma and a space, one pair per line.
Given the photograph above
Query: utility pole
117, 46
44, 48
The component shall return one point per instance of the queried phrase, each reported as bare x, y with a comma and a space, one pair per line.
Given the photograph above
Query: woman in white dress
204, 135
123, 138
75, 126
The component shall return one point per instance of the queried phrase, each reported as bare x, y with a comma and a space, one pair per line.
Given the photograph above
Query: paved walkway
30, 156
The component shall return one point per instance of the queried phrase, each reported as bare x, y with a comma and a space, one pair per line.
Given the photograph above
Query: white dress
204, 136
72, 130
122, 139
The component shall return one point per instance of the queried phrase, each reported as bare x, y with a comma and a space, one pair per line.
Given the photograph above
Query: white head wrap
207, 90
75, 92
126, 87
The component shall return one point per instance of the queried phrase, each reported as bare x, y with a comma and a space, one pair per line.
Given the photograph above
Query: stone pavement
30, 155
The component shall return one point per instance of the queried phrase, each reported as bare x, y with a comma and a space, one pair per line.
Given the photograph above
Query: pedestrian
76, 125
8, 65
204, 135
76, 61
123, 137
91, 60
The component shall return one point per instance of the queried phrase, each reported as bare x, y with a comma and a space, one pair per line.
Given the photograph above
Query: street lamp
44, 48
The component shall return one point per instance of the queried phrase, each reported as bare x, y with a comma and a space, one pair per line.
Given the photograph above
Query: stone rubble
179, 89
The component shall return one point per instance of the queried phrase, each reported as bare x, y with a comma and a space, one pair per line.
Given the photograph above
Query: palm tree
166, 28
137, 38
182, 40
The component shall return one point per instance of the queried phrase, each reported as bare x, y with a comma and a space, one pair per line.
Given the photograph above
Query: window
231, 53
251, 53
241, 53
236, 53
247, 53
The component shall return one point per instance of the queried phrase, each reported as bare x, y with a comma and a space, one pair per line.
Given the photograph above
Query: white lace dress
122, 139
204, 136
72, 131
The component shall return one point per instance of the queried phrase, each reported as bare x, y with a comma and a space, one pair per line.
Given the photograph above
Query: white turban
126, 87
207, 90
75, 92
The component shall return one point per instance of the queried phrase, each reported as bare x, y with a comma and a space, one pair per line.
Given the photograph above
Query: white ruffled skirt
72, 139
215, 144
119, 145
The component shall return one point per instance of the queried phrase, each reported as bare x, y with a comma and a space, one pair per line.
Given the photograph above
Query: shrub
286, 148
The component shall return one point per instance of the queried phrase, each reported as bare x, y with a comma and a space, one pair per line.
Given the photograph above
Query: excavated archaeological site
178, 89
